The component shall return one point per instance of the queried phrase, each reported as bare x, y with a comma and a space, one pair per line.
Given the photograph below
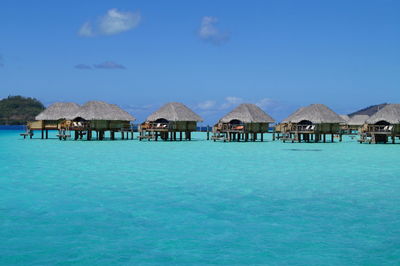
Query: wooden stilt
42, 133
262, 137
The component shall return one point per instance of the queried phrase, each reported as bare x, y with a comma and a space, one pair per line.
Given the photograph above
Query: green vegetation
17, 110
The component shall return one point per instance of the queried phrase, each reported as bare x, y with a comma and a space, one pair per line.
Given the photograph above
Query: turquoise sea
197, 203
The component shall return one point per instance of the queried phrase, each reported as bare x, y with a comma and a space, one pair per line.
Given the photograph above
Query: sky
210, 55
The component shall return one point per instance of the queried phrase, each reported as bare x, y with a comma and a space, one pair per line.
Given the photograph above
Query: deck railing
383, 129
305, 127
156, 126
231, 127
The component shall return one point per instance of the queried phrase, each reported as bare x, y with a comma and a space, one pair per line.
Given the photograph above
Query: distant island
370, 110
17, 110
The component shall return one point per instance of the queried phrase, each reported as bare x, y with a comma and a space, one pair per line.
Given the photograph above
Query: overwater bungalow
99, 117
383, 124
345, 117
52, 118
168, 121
353, 124
244, 123
311, 123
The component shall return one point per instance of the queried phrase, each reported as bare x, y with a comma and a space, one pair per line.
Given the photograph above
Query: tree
17, 110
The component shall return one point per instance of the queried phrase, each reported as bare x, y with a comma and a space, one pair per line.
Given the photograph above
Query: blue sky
210, 55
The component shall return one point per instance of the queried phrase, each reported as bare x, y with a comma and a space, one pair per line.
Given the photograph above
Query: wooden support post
273, 136
208, 133
47, 133
332, 138
180, 135
89, 135
324, 138
132, 134
42, 133
262, 137
340, 137
75, 134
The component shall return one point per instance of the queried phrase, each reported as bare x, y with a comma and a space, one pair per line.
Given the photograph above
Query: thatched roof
390, 113
357, 120
96, 110
345, 117
58, 111
175, 112
316, 113
247, 113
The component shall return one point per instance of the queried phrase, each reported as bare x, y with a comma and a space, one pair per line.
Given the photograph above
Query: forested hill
17, 110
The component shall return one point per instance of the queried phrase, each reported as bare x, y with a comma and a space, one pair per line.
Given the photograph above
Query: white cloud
113, 22
265, 102
117, 21
206, 105
230, 101
86, 30
209, 32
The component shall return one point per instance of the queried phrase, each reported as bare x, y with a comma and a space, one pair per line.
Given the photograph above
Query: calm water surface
199, 202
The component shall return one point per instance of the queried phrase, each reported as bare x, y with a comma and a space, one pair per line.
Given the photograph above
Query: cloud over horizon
83, 66
109, 65
209, 32
206, 105
103, 65
114, 22
211, 110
